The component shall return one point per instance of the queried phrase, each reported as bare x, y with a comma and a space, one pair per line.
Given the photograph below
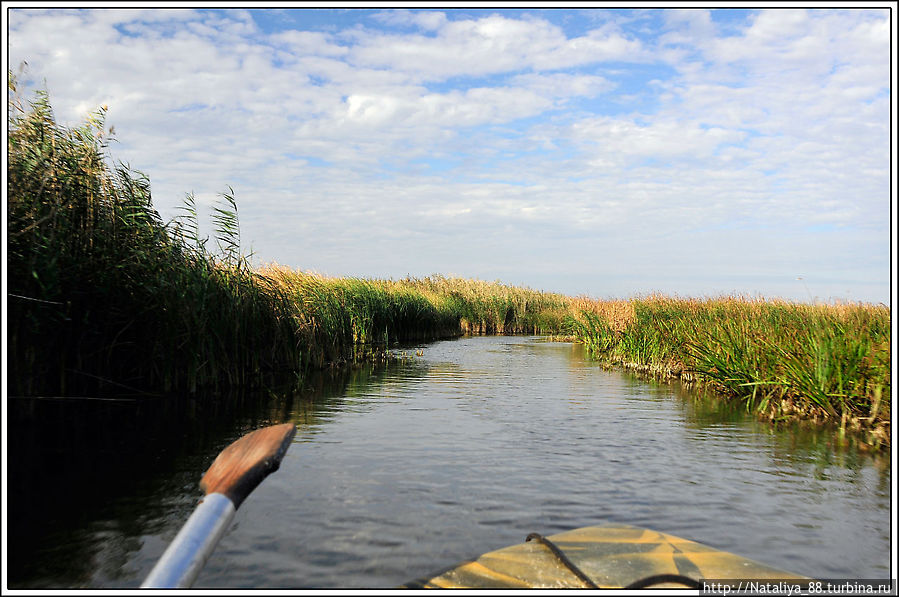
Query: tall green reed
103, 296
821, 361
345, 318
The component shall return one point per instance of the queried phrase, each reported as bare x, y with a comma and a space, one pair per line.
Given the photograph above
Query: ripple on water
483, 440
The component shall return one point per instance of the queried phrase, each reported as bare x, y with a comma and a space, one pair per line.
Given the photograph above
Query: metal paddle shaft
236, 472
187, 554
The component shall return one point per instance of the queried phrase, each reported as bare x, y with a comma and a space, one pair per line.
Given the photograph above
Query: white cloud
457, 109
622, 140
563, 85
310, 43
492, 44
492, 140
427, 20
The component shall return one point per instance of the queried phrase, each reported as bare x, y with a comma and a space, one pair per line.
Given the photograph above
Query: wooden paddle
236, 472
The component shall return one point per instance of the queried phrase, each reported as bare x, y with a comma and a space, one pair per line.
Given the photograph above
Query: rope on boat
649, 581
563, 558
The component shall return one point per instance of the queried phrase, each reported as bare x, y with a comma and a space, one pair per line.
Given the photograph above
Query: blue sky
611, 153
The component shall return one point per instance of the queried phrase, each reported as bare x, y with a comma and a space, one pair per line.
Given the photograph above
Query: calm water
398, 472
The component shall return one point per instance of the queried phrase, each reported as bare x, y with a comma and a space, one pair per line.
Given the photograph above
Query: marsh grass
783, 360
354, 318
493, 307
105, 297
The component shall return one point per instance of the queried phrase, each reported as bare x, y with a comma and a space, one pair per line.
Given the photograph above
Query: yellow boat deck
610, 556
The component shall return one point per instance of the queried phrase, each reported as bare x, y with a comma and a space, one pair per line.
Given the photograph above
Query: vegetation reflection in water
133, 475
115, 534
422, 471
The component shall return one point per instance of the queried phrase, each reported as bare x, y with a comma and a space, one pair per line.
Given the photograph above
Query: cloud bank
608, 153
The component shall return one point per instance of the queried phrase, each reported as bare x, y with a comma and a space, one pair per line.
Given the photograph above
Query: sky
590, 151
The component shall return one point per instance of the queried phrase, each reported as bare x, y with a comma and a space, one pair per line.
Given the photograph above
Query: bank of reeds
495, 308
354, 318
103, 296
784, 360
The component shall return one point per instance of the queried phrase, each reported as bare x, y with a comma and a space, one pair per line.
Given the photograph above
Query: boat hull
612, 556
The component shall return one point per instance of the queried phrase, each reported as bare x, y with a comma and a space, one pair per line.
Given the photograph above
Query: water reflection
92, 481
402, 470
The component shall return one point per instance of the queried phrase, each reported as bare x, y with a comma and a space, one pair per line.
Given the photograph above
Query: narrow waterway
401, 471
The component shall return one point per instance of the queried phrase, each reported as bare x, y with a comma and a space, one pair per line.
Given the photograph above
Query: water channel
399, 471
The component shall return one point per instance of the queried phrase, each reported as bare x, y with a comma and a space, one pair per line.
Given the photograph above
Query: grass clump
353, 318
103, 295
783, 360
493, 307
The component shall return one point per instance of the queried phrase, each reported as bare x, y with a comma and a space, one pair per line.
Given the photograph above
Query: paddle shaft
187, 554
233, 475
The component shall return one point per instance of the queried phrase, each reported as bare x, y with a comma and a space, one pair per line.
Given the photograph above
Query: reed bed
496, 308
783, 360
351, 319
105, 297
348, 319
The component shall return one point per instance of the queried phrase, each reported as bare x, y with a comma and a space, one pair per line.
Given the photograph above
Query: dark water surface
401, 471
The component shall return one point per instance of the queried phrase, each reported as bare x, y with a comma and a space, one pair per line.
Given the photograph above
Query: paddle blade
244, 464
